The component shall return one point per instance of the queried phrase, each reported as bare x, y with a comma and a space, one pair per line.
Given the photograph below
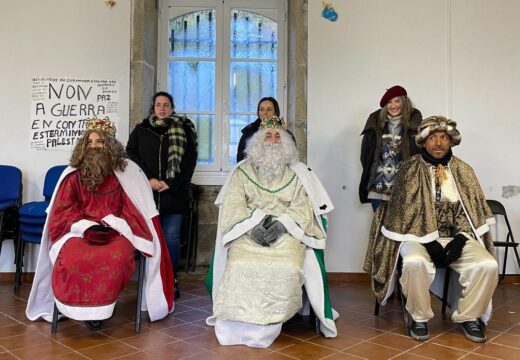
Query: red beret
392, 93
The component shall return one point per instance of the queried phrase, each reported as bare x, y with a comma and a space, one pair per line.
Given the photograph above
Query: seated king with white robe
270, 241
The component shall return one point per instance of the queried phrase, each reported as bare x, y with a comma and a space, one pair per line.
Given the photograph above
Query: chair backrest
10, 184
498, 209
51, 179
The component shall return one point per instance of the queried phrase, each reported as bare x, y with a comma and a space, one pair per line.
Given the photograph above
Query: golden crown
273, 122
104, 125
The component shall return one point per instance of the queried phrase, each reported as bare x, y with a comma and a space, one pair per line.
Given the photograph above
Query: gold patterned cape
410, 215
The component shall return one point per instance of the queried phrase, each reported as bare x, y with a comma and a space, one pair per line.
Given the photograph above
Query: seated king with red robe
101, 212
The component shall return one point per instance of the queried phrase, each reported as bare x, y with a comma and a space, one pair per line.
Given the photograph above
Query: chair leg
54, 326
1, 229
445, 291
402, 298
189, 219
195, 234
406, 318
517, 257
504, 265
140, 285
20, 246
376, 308
314, 318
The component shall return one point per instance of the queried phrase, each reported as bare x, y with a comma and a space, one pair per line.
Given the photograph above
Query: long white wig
269, 159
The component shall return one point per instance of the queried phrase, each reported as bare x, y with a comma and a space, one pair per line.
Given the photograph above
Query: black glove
102, 228
274, 231
436, 252
454, 248
99, 234
258, 235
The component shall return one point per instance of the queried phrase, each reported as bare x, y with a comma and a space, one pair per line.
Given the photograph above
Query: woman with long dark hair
164, 145
267, 107
388, 139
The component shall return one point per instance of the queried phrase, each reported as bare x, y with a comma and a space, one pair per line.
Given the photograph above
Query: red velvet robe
86, 273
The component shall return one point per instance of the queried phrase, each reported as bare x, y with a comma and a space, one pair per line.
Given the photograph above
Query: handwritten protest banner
61, 106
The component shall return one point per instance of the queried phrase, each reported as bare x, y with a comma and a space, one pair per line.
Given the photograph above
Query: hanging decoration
328, 11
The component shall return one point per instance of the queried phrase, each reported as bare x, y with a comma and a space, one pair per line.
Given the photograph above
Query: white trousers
478, 272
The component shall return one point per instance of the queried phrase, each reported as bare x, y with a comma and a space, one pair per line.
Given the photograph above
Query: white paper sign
61, 106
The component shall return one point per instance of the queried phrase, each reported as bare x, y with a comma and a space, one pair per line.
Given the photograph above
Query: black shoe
474, 331
176, 291
93, 325
419, 331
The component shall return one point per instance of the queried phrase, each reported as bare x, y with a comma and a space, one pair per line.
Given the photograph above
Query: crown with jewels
104, 125
273, 122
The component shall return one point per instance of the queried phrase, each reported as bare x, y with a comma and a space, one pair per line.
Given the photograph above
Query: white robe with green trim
255, 289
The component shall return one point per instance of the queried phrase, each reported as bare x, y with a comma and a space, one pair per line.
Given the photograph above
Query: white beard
270, 166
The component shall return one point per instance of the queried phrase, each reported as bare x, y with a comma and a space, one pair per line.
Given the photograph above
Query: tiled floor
184, 334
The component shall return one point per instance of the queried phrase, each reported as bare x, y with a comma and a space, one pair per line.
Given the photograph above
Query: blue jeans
171, 226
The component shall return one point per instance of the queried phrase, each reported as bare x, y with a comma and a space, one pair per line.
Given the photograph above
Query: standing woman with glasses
164, 145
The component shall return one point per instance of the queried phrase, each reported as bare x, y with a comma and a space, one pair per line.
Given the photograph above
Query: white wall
456, 58
71, 38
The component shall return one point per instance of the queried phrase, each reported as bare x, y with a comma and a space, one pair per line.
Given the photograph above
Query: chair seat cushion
36, 229
34, 209
32, 220
32, 238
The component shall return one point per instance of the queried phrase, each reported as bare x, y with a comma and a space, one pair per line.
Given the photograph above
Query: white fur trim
243, 227
84, 313
314, 188
410, 237
240, 333
486, 227
76, 230
314, 288
121, 226
293, 229
425, 132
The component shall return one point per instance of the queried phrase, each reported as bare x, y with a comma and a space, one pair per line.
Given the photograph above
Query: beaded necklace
264, 188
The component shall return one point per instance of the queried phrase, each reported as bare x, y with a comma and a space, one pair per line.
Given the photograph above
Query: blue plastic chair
36, 209
10, 201
32, 217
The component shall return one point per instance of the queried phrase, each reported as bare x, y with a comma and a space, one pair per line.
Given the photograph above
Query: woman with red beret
388, 139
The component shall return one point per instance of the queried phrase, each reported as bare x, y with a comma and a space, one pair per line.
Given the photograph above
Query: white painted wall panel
74, 38
457, 58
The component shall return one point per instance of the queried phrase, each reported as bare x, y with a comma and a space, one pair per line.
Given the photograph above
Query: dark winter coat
372, 142
148, 147
247, 132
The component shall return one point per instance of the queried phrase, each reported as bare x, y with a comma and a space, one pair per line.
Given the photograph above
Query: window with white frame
218, 58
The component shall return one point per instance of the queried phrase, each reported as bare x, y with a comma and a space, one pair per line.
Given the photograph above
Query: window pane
206, 137
193, 35
197, 67
236, 124
249, 82
192, 84
253, 36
